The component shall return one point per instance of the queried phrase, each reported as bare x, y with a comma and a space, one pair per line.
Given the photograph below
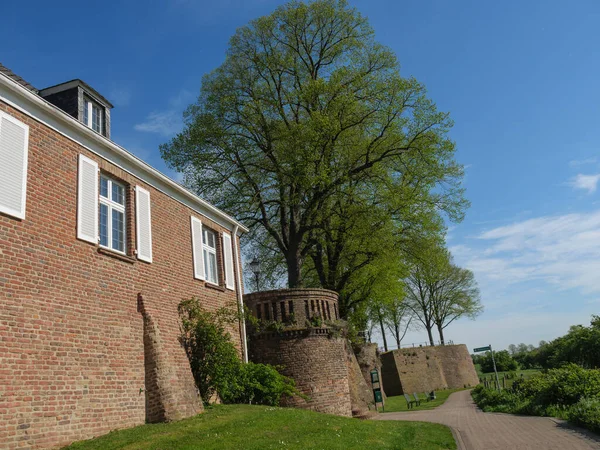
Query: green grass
262, 427
398, 403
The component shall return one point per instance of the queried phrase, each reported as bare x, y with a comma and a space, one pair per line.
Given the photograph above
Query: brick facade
318, 362
315, 360
423, 369
89, 338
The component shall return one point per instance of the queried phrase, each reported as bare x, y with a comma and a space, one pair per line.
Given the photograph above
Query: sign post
377, 389
486, 349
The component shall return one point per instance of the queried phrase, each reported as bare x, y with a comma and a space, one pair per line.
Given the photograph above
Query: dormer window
92, 115
82, 102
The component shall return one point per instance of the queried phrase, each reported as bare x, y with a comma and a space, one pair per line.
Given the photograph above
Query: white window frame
210, 251
112, 205
89, 106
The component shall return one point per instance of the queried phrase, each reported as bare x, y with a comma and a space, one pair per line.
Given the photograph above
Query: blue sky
520, 80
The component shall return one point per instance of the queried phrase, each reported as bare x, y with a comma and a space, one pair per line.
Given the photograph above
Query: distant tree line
581, 346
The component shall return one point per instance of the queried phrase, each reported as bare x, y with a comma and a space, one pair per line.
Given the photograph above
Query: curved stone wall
293, 305
312, 356
315, 360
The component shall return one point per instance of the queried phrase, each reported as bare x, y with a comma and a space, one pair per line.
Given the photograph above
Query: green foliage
438, 291
581, 345
213, 358
504, 362
259, 384
309, 134
215, 362
586, 413
571, 392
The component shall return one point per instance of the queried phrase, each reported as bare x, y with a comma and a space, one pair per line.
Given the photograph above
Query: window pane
209, 238
118, 230
96, 114
103, 187
118, 194
103, 225
206, 269
213, 268
85, 112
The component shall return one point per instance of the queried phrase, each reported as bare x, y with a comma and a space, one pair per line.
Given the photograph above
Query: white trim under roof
41, 110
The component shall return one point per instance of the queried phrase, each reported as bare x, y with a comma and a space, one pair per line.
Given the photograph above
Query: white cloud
583, 162
168, 121
586, 182
562, 251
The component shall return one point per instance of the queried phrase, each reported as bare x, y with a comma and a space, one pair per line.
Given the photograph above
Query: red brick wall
71, 336
315, 360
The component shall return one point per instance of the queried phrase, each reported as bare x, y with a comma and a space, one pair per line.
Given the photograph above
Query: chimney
81, 101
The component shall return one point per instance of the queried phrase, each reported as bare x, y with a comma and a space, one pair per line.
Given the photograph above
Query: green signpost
377, 389
489, 349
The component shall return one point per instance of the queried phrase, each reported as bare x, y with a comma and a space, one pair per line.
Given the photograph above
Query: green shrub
260, 384
215, 362
586, 413
570, 392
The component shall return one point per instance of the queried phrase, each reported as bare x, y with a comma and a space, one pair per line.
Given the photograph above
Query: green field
262, 427
398, 403
491, 377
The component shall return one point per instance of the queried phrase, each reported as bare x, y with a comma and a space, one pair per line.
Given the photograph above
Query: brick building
97, 249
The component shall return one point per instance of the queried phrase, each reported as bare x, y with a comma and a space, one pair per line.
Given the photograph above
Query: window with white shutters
14, 138
228, 262
197, 253
143, 224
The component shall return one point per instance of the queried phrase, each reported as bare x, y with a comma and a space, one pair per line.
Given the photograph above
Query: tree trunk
441, 332
294, 266
397, 336
383, 333
429, 332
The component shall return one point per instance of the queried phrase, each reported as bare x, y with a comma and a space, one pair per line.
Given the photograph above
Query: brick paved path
475, 430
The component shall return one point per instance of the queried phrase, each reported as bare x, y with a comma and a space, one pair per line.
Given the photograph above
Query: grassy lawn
398, 403
261, 427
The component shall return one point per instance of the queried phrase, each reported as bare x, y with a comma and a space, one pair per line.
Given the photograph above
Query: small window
209, 248
93, 115
112, 223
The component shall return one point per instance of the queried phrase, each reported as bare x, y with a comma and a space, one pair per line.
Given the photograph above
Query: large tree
439, 292
306, 107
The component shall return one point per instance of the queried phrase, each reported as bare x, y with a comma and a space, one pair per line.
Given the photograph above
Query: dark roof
9, 73
75, 82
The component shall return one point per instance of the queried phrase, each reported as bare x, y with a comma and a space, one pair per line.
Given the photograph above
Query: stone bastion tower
302, 334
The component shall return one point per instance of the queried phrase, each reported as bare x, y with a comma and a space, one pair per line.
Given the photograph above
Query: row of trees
342, 169
581, 346
436, 292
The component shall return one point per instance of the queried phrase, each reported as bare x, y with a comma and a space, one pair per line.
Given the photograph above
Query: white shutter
143, 223
14, 144
197, 248
87, 200
228, 260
